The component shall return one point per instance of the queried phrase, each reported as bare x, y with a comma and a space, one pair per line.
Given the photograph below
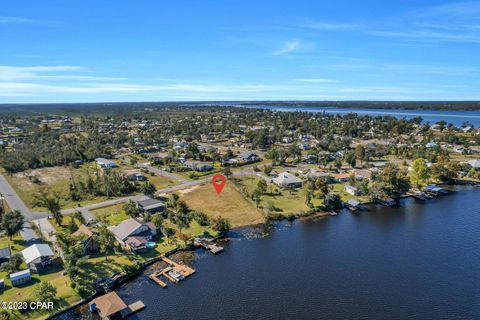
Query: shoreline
124, 279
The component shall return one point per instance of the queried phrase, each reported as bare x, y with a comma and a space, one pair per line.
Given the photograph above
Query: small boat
176, 275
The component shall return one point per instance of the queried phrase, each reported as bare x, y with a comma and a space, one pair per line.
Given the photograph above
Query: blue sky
87, 51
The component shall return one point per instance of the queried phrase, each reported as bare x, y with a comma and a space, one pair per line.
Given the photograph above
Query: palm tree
51, 202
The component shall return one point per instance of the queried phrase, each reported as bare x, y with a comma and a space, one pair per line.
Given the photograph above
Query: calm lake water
431, 116
417, 261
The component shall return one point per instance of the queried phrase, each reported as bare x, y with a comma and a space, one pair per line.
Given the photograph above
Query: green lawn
287, 202
114, 214
161, 182
98, 267
165, 245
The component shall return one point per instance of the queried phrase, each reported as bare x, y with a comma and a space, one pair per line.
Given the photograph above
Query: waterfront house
5, 254
89, 242
288, 180
38, 256
105, 163
150, 205
109, 306
20, 277
352, 190
134, 233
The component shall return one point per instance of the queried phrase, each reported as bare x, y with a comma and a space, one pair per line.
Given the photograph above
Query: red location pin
219, 182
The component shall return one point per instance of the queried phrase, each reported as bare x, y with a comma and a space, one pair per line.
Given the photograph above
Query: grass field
161, 182
54, 179
229, 204
114, 214
288, 202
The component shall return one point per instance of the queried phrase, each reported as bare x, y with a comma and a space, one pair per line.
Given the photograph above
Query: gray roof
474, 163
353, 202
5, 252
286, 178
150, 203
246, 154
126, 228
36, 251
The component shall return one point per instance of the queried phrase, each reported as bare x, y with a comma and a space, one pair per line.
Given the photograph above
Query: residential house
180, 145
198, 166
90, 244
287, 139
315, 174
150, 205
38, 256
5, 254
134, 233
105, 163
474, 163
354, 191
20, 277
288, 180
363, 174
310, 158
249, 156
135, 176
109, 306
341, 177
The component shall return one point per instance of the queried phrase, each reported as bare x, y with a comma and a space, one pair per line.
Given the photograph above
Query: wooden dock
156, 278
135, 307
208, 244
184, 271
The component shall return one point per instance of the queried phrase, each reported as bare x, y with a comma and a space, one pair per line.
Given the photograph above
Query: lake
417, 261
431, 116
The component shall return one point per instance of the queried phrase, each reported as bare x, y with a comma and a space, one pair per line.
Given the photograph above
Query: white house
288, 180
105, 163
351, 190
37, 256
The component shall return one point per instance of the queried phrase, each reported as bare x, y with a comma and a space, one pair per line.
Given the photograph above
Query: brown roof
135, 241
83, 230
109, 304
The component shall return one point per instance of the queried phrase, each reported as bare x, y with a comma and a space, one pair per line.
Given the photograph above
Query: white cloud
288, 47
328, 26
16, 73
316, 80
18, 20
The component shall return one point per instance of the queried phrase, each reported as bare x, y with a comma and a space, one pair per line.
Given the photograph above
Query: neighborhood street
40, 218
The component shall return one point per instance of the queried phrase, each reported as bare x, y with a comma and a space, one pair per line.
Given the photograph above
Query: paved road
46, 228
13, 200
163, 173
16, 203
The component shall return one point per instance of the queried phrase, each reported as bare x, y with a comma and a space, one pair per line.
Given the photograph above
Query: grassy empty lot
288, 202
229, 204
161, 182
54, 179
114, 214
